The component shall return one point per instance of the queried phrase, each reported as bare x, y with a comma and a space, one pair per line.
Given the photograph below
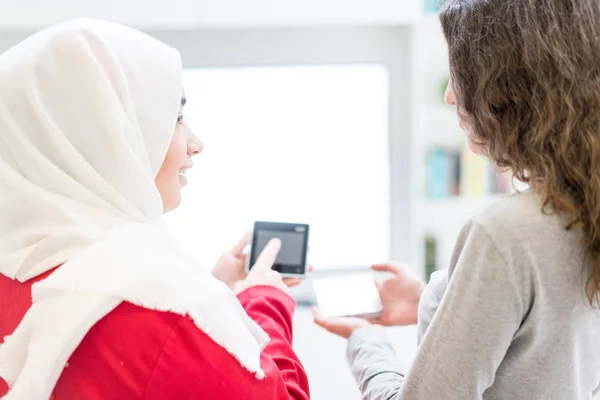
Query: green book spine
430, 256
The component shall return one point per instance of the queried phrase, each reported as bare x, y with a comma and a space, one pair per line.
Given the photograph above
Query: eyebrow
183, 101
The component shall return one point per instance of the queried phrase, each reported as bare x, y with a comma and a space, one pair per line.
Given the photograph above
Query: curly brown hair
526, 74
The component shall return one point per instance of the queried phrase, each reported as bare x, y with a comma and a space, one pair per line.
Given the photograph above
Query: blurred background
327, 112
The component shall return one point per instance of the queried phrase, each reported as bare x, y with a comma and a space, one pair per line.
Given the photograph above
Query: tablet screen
291, 258
292, 246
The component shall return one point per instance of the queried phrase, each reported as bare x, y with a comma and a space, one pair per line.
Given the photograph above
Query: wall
28, 14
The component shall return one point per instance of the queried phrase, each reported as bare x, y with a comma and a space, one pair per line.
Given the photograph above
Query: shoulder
520, 218
136, 353
129, 327
192, 365
515, 230
523, 233
515, 241
501, 246
118, 355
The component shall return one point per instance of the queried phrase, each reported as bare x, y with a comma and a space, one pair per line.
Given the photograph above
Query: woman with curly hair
516, 316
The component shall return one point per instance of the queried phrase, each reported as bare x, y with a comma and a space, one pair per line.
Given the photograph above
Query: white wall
28, 14
271, 133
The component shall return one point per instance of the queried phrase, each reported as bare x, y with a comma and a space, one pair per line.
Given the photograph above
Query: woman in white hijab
96, 300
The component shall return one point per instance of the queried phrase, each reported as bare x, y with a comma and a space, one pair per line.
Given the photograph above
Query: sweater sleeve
468, 336
376, 370
193, 366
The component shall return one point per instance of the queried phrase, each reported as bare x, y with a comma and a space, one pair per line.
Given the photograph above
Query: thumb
374, 321
379, 285
238, 248
318, 318
386, 267
268, 256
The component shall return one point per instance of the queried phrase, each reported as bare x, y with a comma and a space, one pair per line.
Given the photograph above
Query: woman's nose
195, 145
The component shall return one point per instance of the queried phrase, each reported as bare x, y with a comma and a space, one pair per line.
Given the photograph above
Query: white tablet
349, 296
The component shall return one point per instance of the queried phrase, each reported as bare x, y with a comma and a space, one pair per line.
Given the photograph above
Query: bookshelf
449, 184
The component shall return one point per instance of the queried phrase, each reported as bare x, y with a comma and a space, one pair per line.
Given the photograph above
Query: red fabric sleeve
273, 311
192, 365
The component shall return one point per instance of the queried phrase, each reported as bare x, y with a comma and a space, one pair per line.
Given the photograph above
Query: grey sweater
508, 320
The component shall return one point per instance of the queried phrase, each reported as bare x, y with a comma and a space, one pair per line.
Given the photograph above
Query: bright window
289, 144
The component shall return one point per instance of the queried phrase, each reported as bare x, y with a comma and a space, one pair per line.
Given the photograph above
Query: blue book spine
439, 175
432, 6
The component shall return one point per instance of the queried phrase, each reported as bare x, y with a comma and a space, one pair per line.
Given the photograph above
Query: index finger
267, 257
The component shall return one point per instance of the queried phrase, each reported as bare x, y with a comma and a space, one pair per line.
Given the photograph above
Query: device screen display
291, 259
349, 296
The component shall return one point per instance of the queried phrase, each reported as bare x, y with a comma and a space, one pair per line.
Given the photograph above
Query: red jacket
136, 353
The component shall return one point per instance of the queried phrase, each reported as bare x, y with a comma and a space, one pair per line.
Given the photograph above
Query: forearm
374, 365
273, 310
270, 308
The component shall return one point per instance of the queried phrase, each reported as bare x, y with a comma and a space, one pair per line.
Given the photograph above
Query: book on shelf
452, 172
430, 256
439, 174
432, 6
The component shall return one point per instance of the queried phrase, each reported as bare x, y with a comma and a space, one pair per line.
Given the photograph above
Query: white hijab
87, 112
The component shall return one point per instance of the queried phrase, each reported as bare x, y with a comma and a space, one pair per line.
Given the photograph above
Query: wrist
418, 288
367, 332
263, 292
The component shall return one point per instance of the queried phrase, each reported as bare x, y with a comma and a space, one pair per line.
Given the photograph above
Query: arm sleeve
192, 366
273, 310
374, 365
467, 338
